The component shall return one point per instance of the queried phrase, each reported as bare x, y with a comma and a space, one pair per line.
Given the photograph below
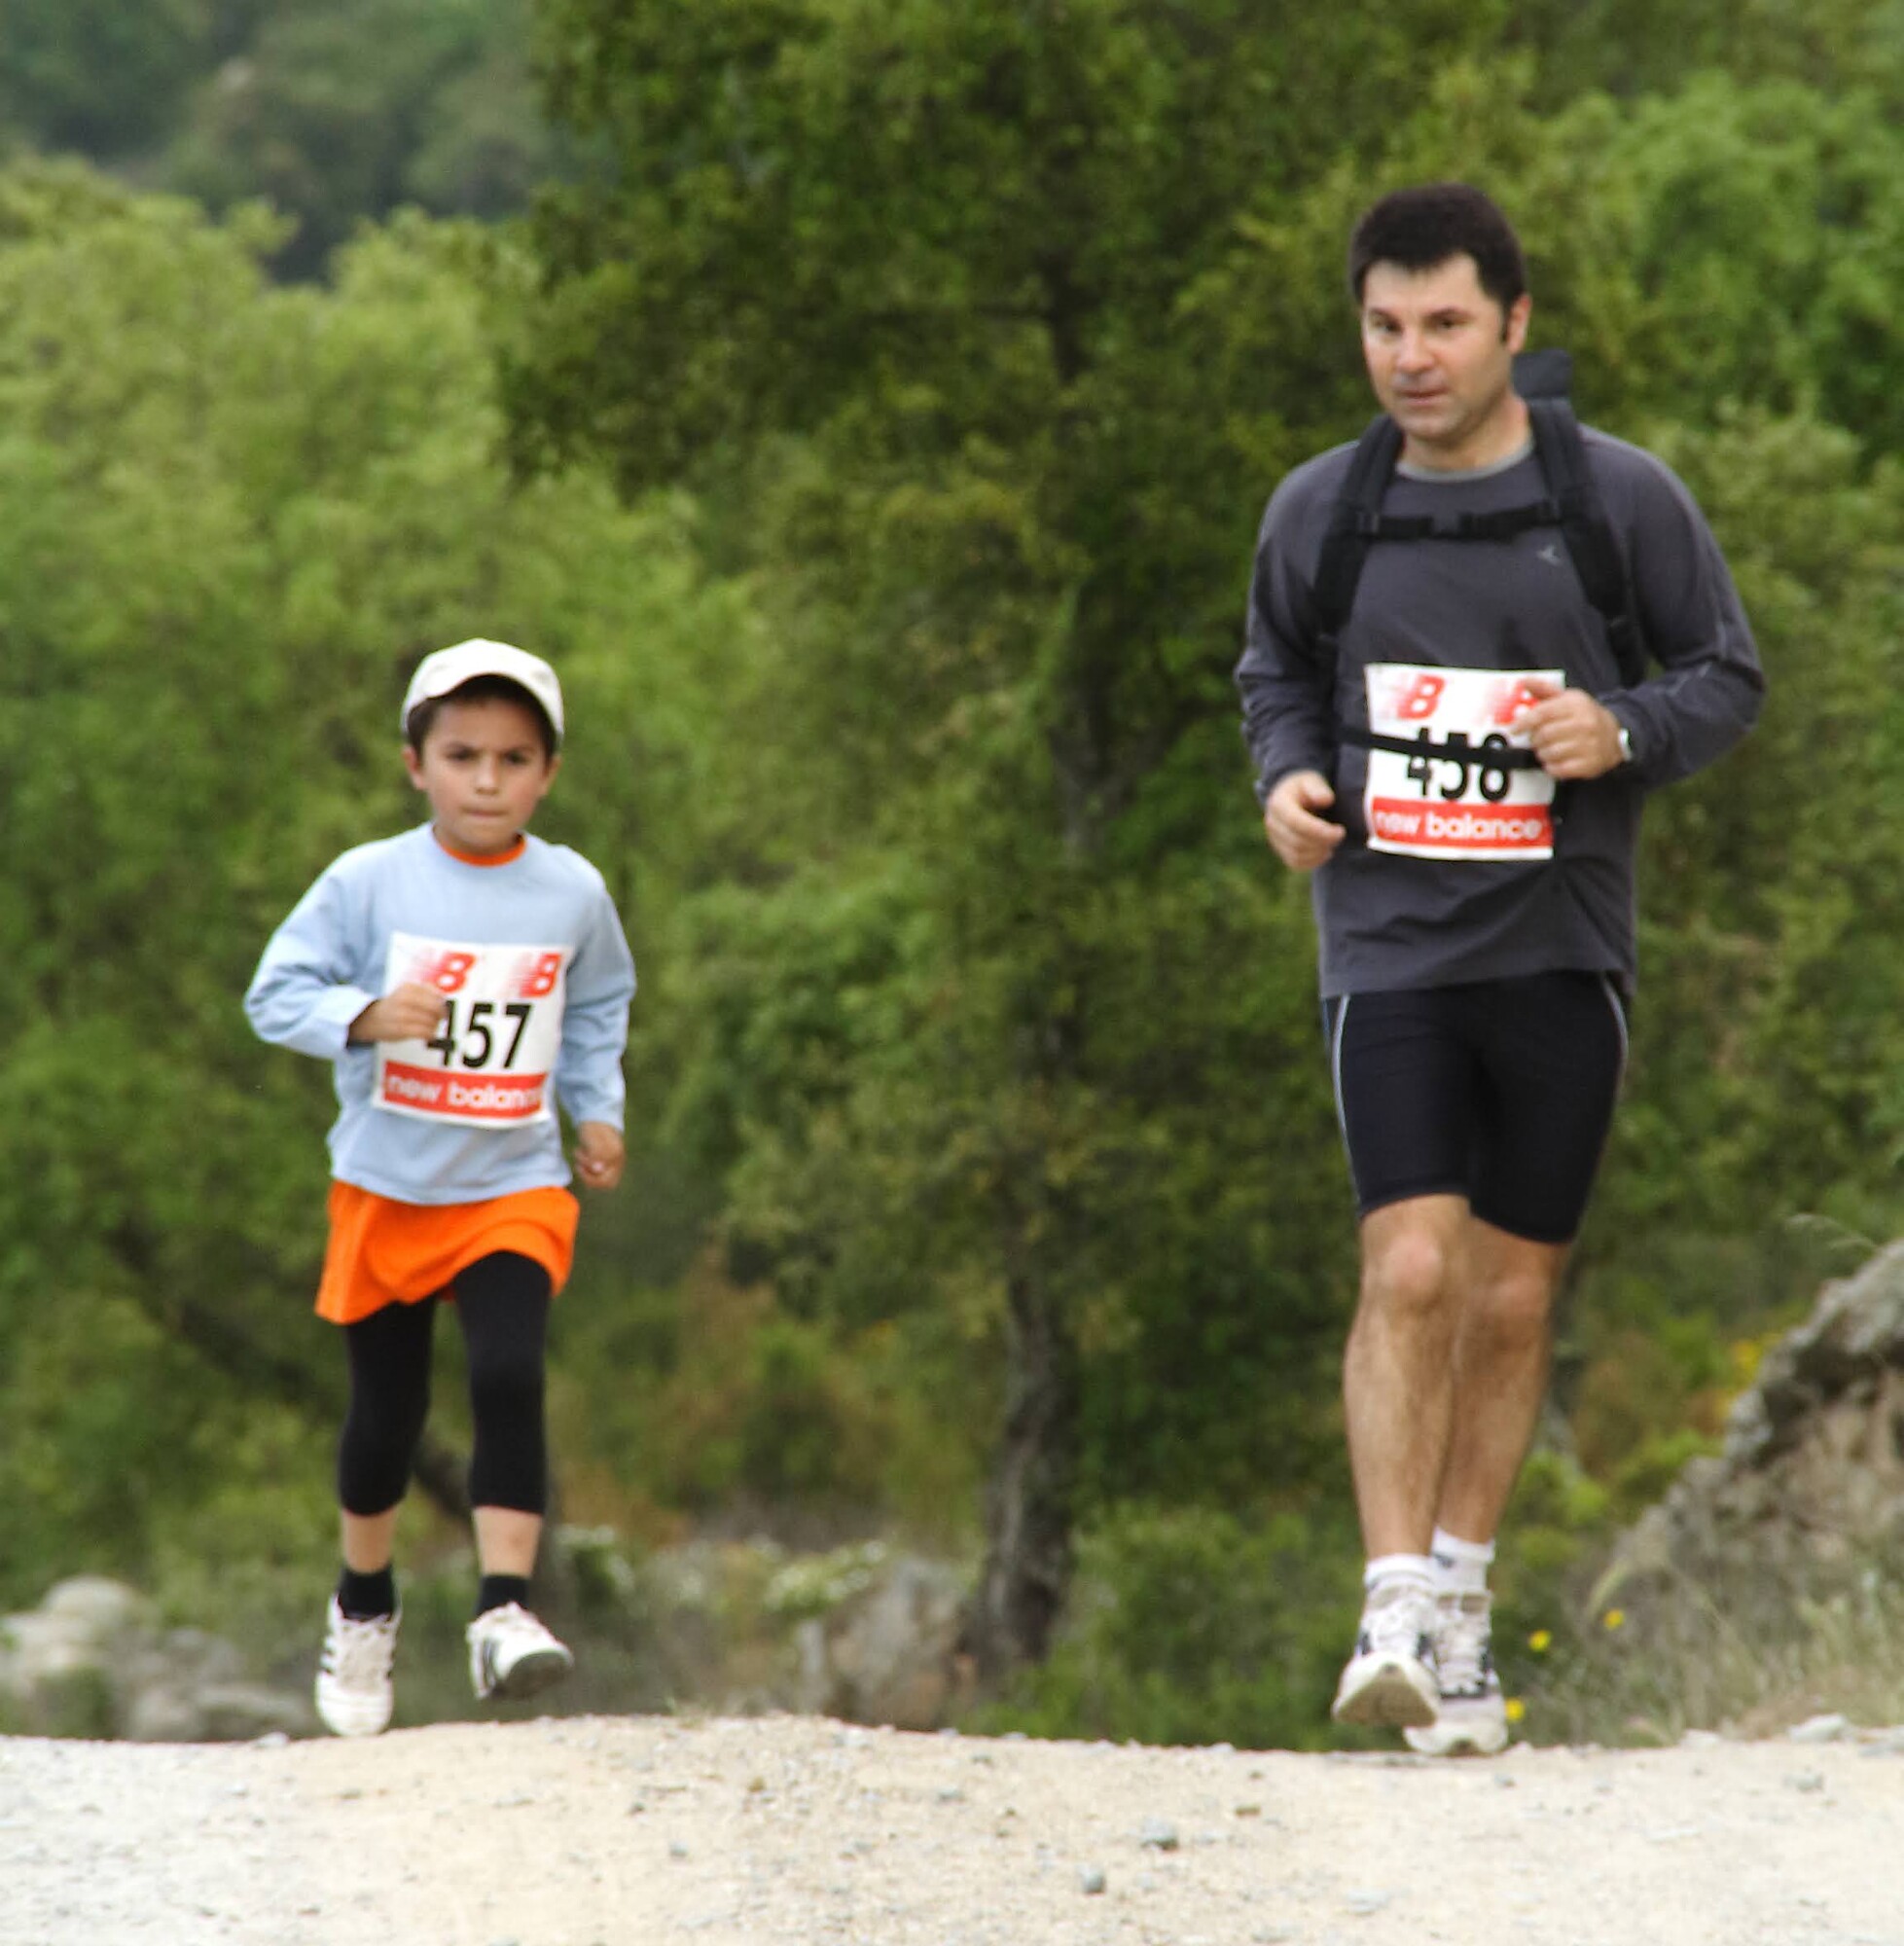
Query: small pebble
1091, 1880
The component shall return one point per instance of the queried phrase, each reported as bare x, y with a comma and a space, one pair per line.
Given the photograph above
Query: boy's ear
413, 765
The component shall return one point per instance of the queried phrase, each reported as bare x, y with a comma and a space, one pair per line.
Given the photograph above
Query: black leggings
502, 1301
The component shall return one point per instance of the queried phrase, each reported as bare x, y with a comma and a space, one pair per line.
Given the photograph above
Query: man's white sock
1461, 1566
1387, 1571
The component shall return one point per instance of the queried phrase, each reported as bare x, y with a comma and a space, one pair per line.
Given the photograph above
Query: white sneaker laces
1397, 1617
1461, 1638
515, 1631
358, 1653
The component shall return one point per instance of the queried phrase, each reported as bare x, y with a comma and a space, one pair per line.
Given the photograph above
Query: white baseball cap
447, 669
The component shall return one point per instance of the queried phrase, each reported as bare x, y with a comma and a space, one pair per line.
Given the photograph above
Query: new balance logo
1551, 554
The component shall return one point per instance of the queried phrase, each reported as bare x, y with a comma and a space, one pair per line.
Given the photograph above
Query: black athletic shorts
1499, 1090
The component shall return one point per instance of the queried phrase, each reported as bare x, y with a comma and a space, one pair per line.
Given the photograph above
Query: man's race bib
492, 1058
1463, 785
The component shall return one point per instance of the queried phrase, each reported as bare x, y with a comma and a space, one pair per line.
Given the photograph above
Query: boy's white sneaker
355, 1693
1470, 1715
1389, 1681
511, 1653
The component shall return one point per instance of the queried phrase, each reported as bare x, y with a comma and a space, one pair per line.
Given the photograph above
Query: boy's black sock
367, 1598
499, 1590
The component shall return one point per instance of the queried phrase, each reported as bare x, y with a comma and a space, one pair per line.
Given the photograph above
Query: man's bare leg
1501, 1357
1503, 1348
1398, 1394
1398, 1370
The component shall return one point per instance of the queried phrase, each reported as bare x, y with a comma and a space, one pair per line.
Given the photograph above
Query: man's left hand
1574, 736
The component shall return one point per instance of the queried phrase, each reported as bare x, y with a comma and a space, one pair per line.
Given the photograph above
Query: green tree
339, 113
1629, 49
987, 331
949, 250
95, 76
336, 113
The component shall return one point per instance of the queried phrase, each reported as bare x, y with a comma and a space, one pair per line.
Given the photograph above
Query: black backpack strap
1546, 374
1586, 530
1354, 522
1573, 505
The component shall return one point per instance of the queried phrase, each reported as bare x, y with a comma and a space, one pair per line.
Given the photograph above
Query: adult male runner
1461, 763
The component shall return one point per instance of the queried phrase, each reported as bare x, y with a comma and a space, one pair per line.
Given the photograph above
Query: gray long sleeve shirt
1389, 921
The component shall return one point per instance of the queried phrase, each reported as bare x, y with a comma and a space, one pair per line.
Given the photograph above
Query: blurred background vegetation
868, 408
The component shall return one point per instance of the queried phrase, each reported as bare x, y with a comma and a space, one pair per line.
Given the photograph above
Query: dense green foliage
333, 113
989, 331
943, 358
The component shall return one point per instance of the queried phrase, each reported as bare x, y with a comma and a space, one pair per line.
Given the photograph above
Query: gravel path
642, 1831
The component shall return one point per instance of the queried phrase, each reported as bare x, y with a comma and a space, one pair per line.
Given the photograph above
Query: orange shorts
387, 1252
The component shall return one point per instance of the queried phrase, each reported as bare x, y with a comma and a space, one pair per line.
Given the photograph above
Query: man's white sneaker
1390, 1679
510, 1654
355, 1694
1471, 1719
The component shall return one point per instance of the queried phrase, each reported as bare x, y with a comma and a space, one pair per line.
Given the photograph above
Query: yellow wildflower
1614, 1618
1515, 1709
1541, 1640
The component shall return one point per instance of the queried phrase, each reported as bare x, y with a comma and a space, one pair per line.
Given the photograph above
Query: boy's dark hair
1421, 227
480, 689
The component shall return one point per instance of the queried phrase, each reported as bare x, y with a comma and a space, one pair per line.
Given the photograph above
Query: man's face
1440, 354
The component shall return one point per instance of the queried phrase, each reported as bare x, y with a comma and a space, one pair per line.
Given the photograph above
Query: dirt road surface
644, 1831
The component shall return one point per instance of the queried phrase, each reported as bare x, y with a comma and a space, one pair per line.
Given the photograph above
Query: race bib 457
1450, 774
491, 1059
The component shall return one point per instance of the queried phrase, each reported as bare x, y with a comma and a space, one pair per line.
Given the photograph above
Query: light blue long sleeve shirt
334, 955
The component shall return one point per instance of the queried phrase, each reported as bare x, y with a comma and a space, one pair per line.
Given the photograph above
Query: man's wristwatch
1626, 744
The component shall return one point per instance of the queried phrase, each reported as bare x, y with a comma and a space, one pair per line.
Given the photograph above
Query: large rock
747, 1626
90, 1661
1809, 1489
889, 1653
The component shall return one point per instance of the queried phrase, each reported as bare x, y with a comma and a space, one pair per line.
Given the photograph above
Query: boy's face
484, 771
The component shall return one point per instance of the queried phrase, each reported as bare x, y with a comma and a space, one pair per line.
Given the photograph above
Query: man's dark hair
1425, 225
479, 689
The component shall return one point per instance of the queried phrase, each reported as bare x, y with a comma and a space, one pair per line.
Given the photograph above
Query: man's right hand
411, 1012
1302, 839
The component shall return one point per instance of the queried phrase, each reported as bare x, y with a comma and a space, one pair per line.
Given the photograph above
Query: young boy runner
465, 979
